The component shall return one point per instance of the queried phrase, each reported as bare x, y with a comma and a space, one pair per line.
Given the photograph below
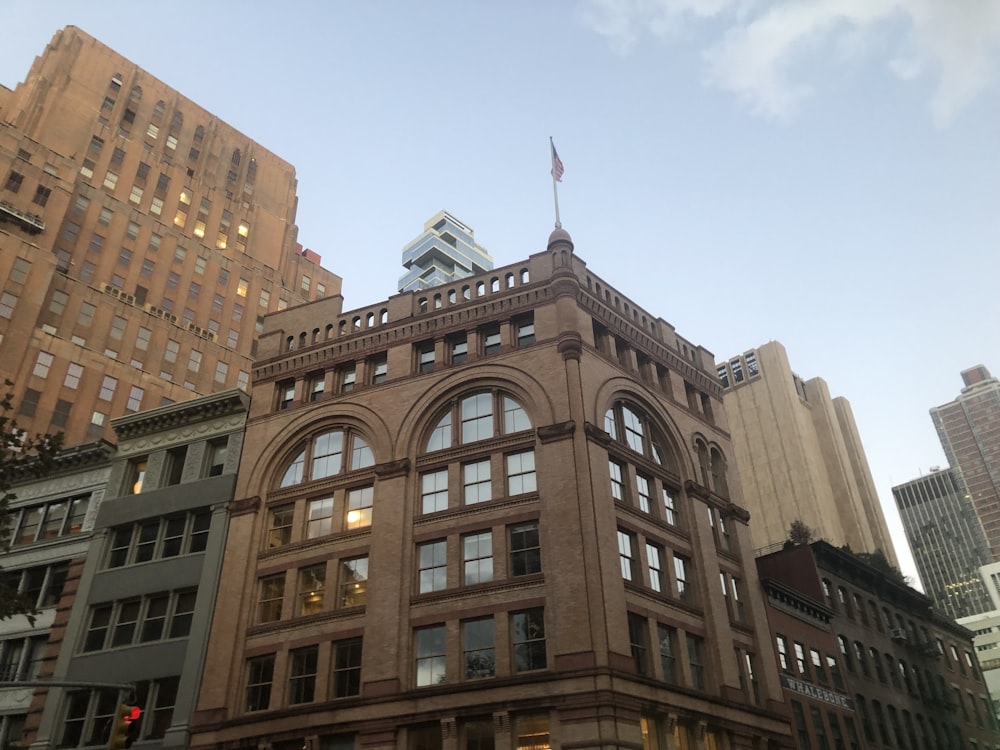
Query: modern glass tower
969, 428
446, 251
947, 542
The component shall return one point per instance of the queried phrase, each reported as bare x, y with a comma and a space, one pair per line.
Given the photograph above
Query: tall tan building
142, 239
501, 521
799, 455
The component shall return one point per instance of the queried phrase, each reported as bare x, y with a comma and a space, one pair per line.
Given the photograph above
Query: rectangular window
525, 328
312, 581
347, 668
459, 349
194, 362
638, 637
425, 357
171, 351
260, 674
14, 181
221, 372
42, 364
626, 554
654, 559
782, 644
42, 194
696, 660
108, 386
7, 304
354, 582
478, 648
669, 506
668, 652
359, 507
110, 180
800, 659
379, 369
477, 557
617, 483
19, 272
434, 491
525, 549
135, 196
348, 378
521, 473
272, 592
303, 665
432, 566
491, 339
477, 486
58, 302
280, 528
528, 639
430, 648
681, 575
319, 518
642, 493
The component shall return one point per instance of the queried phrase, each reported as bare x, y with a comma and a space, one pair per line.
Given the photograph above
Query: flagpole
555, 190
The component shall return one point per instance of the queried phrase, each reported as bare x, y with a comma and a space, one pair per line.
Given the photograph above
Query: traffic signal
124, 716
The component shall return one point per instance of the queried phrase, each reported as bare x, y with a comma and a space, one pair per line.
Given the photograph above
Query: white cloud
760, 47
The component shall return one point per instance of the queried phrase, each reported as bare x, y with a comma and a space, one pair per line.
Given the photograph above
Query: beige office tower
142, 239
799, 455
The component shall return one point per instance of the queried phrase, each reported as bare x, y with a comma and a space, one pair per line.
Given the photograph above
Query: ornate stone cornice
65, 461
184, 413
244, 505
596, 434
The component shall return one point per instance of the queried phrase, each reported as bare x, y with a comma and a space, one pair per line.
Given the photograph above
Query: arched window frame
466, 420
326, 453
629, 425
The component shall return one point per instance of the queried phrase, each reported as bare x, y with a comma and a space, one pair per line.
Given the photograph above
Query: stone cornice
184, 413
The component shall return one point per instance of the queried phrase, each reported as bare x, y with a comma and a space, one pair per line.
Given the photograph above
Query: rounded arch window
478, 416
326, 454
628, 424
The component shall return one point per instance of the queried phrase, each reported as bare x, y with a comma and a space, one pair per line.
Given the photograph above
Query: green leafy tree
799, 533
21, 457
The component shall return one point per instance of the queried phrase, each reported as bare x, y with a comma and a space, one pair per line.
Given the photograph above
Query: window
8, 302
347, 668
41, 585
528, 638
316, 387
617, 481
260, 673
108, 386
525, 549
221, 371
348, 378
681, 572
696, 660
42, 194
42, 364
280, 525
667, 637
19, 272
379, 369
638, 637
478, 648
477, 486
434, 491
73, 374
430, 648
477, 558
425, 357
782, 644
110, 180
626, 554
432, 568
491, 339
525, 331
303, 665
521, 473
654, 560
323, 456
135, 196
312, 581
194, 362
158, 538
359, 507
14, 181
154, 617
459, 349
272, 592
800, 660
353, 582
319, 518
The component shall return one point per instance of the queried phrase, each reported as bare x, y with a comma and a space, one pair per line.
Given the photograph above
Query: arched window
136, 94
326, 454
236, 157
158, 110
627, 424
476, 417
199, 134
718, 464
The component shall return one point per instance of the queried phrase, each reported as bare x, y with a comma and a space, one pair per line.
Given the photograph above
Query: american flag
557, 165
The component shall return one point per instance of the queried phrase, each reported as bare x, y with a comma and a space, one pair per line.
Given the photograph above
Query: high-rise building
799, 455
947, 542
502, 522
445, 252
142, 239
969, 428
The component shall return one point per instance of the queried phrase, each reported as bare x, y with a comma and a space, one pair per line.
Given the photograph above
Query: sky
825, 173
